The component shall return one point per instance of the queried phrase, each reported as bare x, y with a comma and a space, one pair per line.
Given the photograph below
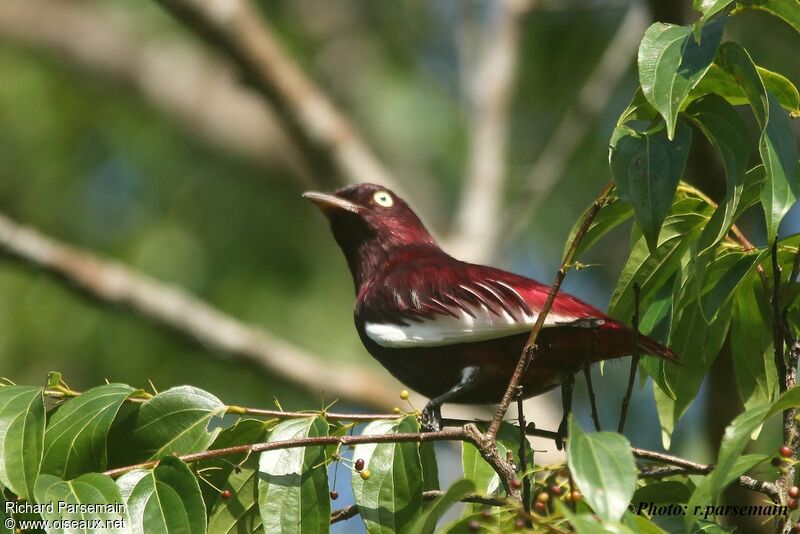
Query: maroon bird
452, 330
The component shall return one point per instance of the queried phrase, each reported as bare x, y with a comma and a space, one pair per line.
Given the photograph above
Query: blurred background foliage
88, 157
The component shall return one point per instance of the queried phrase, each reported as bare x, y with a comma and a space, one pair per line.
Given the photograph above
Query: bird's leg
566, 402
432, 413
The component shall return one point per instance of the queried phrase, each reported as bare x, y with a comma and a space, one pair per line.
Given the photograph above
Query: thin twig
626, 400
523, 457
348, 512
168, 306
530, 347
767, 488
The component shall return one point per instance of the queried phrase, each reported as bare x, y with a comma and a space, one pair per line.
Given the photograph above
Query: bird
452, 330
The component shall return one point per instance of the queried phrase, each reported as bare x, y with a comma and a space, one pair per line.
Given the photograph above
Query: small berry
474, 526
792, 504
575, 496
334, 495
519, 524
365, 474
396, 409
359, 465
404, 394
785, 451
543, 497
540, 507
794, 491
515, 483
486, 513
555, 490
226, 494
796, 528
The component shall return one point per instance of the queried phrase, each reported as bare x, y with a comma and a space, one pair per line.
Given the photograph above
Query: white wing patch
448, 330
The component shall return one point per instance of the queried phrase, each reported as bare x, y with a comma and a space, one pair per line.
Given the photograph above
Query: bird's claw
431, 418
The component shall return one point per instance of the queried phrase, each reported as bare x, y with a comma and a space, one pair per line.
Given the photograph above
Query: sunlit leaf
720, 82
22, 420
165, 499
293, 483
391, 497
603, 467
75, 438
672, 61
176, 421
89, 489
777, 145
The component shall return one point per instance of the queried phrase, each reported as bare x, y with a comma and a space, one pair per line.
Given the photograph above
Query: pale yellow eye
383, 198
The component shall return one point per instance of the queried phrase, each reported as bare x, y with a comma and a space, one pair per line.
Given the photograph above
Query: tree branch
112, 283
767, 488
197, 89
491, 89
328, 137
530, 347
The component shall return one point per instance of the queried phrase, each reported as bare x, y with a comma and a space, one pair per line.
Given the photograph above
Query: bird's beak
329, 203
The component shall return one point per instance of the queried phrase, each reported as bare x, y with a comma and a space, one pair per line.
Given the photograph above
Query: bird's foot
431, 418
561, 434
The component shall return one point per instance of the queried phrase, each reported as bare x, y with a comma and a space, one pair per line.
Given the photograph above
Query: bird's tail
650, 346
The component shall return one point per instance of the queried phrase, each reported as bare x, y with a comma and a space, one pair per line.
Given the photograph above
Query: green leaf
660, 491
75, 438
217, 470
751, 345
5, 524
709, 8
611, 214
90, 488
788, 10
476, 469
708, 491
430, 467
671, 62
651, 270
392, 496
642, 525
777, 144
293, 483
176, 421
698, 344
590, 524
239, 513
724, 129
22, 420
425, 523
720, 82
165, 499
603, 467
646, 167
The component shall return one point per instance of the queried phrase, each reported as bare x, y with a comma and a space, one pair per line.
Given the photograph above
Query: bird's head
368, 221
